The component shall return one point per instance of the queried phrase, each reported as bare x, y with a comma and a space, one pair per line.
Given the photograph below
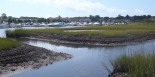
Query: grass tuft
6, 44
138, 65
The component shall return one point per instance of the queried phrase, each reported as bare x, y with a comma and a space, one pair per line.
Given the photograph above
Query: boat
56, 24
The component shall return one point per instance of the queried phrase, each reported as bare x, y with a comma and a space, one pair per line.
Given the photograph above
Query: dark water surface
88, 61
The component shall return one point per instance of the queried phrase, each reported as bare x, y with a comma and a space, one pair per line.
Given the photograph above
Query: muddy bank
27, 57
118, 74
92, 40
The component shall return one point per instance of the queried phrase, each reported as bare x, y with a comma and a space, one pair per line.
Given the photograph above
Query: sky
74, 8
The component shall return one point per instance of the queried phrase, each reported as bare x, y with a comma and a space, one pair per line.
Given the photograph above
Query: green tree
4, 16
97, 18
106, 19
127, 16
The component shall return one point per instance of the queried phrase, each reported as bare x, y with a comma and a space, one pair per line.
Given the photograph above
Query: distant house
85, 20
4, 25
153, 18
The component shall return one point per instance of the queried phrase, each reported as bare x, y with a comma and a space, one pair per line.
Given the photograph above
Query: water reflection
2, 33
88, 61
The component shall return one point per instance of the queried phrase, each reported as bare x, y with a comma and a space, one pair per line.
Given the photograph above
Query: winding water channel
88, 61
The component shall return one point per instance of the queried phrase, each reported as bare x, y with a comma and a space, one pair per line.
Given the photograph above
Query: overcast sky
73, 8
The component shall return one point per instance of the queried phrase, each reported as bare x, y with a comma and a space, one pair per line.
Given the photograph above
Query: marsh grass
108, 31
138, 65
6, 44
25, 32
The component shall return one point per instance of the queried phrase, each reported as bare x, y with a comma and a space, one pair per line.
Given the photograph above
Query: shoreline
91, 40
28, 57
77, 43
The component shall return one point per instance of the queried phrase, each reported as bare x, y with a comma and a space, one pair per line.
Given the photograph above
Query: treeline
11, 19
90, 18
135, 18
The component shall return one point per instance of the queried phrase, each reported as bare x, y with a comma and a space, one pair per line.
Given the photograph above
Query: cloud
139, 11
80, 6
33, 1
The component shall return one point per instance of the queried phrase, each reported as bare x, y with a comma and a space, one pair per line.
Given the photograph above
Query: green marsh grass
6, 44
109, 31
138, 65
